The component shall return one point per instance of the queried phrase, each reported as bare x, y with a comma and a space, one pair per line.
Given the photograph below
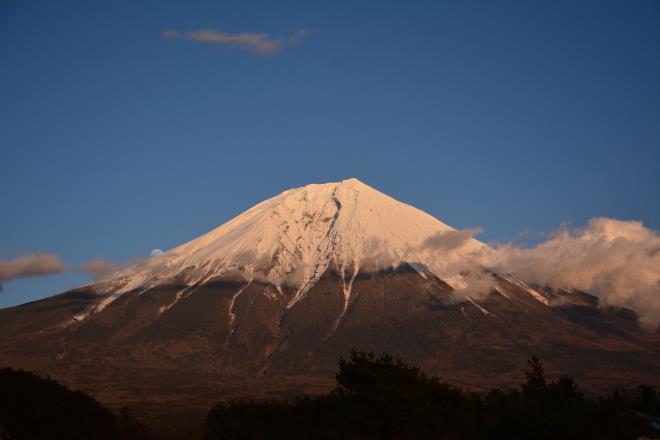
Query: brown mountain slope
237, 339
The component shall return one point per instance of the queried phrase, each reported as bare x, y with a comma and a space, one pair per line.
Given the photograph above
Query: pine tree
536, 385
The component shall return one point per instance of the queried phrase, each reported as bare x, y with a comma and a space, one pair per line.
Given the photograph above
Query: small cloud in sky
259, 43
450, 240
43, 264
98, 268
30, 265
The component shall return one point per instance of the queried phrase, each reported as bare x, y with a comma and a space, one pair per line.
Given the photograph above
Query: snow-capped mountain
266, 303
294, 237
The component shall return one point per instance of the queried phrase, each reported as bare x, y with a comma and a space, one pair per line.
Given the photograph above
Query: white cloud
450, 240
619, 261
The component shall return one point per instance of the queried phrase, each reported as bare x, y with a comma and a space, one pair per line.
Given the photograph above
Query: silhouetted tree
130, 428
367, 373
384, 397
535, 386
32, 407
647, 401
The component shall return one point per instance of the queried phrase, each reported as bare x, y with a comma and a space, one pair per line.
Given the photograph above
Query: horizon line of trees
376, 397
384, 397
36, 407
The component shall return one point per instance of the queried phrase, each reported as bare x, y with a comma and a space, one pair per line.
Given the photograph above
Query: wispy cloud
98, 268
259, 43
30, 265
43, 264
450, 240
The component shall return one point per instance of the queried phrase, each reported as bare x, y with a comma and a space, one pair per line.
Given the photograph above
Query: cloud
468, 276
259, 43
155, 252
619, 261
30, 265
44, 264
98, 268
450, 240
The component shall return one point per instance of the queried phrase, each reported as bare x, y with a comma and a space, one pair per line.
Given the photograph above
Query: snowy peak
295, 236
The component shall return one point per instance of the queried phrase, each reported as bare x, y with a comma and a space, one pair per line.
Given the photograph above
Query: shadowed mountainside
238, 339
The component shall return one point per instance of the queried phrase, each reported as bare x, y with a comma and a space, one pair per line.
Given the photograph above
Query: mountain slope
265, 304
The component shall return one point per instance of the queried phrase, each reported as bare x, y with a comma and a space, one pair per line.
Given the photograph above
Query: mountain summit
294, 237
264, 305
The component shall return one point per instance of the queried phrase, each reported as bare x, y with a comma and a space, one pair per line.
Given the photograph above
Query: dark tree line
382, 397
377, 397
33, 407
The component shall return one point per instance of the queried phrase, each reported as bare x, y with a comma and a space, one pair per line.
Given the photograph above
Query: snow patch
536, 295
232, 315
474, 303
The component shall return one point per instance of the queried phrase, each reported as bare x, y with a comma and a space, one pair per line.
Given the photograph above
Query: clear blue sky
507, 115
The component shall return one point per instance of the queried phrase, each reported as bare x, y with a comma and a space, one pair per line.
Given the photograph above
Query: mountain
293, 238
264, 305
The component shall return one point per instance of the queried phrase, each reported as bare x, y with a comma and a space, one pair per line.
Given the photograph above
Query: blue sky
511, 116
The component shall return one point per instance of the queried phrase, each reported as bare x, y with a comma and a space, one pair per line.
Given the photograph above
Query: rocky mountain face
265, 304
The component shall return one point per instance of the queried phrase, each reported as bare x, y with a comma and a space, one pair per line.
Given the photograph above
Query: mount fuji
291, 240
264, 305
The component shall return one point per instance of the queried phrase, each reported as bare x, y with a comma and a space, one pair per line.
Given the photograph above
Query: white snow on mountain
292, 238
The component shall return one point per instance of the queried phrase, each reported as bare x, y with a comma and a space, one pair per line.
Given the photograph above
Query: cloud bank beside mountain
618, 261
